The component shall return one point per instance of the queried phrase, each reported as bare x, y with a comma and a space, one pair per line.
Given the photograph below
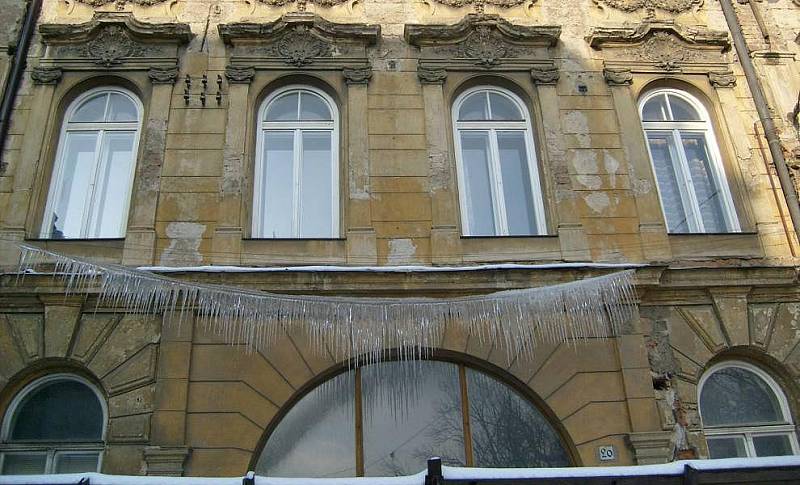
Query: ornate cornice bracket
357, 75
618, 77
178, 33
545, 75
239, 74
604, 37
46, 75
429, 75
672, 6
163, 75
724, 79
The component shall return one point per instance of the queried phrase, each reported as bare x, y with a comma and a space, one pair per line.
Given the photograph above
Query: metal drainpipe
15, 75
773, 142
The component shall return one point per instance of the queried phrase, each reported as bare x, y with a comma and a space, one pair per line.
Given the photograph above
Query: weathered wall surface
704, 297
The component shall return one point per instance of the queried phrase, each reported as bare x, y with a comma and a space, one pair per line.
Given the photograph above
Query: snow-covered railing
770, 470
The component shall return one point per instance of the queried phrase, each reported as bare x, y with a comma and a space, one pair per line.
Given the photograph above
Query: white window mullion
690, 204
298, 147
496, 177
89, 208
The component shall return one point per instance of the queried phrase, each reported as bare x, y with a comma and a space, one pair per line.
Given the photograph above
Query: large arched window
499, 187
92, 178
683, 149
388, 418
55, 425
296, 190
745, 413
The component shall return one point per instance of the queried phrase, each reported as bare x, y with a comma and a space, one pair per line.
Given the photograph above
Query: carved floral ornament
141, 3
300, 46
110, 47
672, 6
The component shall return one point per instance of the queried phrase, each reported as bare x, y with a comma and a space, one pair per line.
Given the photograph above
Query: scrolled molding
618, 77
724, 79
46, 75
545, 75
429, 75
142, 31
240, 74
163, 75
141, 3
672, 6
357, 75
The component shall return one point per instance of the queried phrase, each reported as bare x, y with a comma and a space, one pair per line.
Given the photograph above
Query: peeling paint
401, 251
184, 244
597, 201
641, 187
612, 167
576, 122
592, 182
585, 161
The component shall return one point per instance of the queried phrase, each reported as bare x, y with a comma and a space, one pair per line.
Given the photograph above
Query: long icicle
514, 321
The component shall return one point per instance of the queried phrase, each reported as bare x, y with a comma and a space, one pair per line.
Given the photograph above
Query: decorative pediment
481, 41
672, 6
479, 4
300, 40
112, 40
662, 46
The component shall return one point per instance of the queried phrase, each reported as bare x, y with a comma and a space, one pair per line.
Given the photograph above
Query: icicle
359, 330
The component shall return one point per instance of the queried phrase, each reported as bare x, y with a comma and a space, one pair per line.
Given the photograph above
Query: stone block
397, 142
173, 360
217, 462
583, 388
165, 462
133, 333
137, 401
221, 430
652, 447
192, 163
187, 207
168, 428
230, 397
59, 326
129, 429
397, 163
171, 394
396, 121
197, 121
400, 184
598, 419
138, 370
401, 207
392, 101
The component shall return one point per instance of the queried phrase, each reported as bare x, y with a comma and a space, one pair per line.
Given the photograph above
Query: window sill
716, 245
107, 250
290, 252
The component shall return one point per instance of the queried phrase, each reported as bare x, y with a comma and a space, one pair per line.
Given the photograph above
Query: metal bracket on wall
202, 93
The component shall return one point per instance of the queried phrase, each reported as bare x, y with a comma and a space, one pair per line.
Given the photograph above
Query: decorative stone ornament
484, 41
618, 77
722, 79
113, 40
163, 75
672, 6
357, 75
46, 75
544, 74
301, 4
300, 40
431, 76
141, 3
240, 75
662, 46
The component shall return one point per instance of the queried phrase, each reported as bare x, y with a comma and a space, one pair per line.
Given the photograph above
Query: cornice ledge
634, 34
148, 32
367, 33
428, 34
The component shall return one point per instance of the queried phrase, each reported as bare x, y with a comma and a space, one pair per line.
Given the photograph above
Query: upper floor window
687, 163
499, 186
296, 192
55, 425
745, 413
95, 162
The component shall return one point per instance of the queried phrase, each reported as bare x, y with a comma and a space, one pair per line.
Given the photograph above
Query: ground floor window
388, 418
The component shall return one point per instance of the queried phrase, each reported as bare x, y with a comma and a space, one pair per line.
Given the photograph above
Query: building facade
435, 133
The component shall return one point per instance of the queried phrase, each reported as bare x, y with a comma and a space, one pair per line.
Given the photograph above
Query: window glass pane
312, 107
516, 182
92, 110
478, 192
277, 185
708, 195
737, 396
772, 445
503, 109
662, 150
401, 433
121, 108
316, 438
473, 108
655, 109
112, 192
507, 430
77, 164
682, 110
76, 462
727, 447
283, 108
316, 185
24, 464
59, 411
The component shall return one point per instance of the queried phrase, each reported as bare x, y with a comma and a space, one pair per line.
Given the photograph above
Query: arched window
499, 186
683, 149
92, 178
745, 413
55, 425
296, 192
388, 418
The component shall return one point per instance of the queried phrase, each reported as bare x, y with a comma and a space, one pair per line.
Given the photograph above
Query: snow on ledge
674, 468
381, 269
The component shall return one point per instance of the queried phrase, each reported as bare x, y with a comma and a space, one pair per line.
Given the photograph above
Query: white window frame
691, 208
495, 176
297, 127
748, 432
57, 178
50, 449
